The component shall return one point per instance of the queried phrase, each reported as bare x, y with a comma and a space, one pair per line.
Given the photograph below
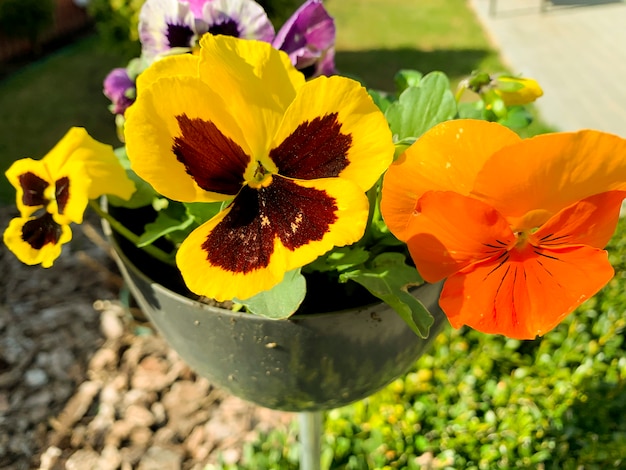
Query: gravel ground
85, 384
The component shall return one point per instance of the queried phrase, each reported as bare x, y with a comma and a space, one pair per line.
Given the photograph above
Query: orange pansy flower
517, 227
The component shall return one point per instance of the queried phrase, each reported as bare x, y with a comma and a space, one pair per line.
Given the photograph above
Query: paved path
576, 49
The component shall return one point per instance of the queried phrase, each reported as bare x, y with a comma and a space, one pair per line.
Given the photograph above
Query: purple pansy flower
244, 19
120, 89
166, 26
309, 39
171, 26
175, 26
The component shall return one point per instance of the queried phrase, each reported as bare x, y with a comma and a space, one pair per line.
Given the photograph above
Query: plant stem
152, 250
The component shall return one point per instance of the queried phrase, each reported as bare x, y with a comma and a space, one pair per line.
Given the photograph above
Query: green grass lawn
375, 38
42, 101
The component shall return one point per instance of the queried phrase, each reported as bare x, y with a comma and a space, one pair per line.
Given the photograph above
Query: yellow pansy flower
238, 123
53, 192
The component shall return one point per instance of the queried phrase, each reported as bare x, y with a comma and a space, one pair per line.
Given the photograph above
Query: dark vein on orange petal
505, 258
560, 237
546, 256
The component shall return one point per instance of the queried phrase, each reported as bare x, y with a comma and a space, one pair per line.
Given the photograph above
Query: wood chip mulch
86, 385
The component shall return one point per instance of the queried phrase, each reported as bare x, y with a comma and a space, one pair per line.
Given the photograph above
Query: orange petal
446, 158
526, 294
536, 178
591, 222
450, 231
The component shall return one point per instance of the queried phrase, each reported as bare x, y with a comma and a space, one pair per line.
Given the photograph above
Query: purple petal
165, 25
245, 19
196, 7
308, 36
119, 88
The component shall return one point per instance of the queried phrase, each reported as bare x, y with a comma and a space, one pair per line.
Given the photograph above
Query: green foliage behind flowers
487, 402
116, 23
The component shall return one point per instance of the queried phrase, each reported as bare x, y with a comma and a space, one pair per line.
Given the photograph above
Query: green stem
459, 93
152, 250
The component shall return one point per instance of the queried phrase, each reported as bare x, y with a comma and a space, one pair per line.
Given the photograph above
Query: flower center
48, 197
524, 239
261, 178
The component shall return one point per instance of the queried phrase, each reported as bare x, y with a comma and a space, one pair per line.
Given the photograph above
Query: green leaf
389, 279
517, 117
282, 300
380, 99
473, 110
203, 211
339, 259
402, 145
169, 220
406, 78
421, 107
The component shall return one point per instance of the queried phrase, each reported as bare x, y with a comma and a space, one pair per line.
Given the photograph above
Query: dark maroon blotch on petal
33, 187
62, 193
41, 231
179, 35
244, 240
227, 27
214, 161
316, 149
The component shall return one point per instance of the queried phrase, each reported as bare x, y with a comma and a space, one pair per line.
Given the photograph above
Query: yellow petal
36, 240
168, 66
356, 145
99, 161
259, 82
38, 177
72, 188
78, 168
264, 233
446, 158
534, 179
154, 122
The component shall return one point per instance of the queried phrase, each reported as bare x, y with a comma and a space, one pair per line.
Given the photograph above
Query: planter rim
307, 362
223, 311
